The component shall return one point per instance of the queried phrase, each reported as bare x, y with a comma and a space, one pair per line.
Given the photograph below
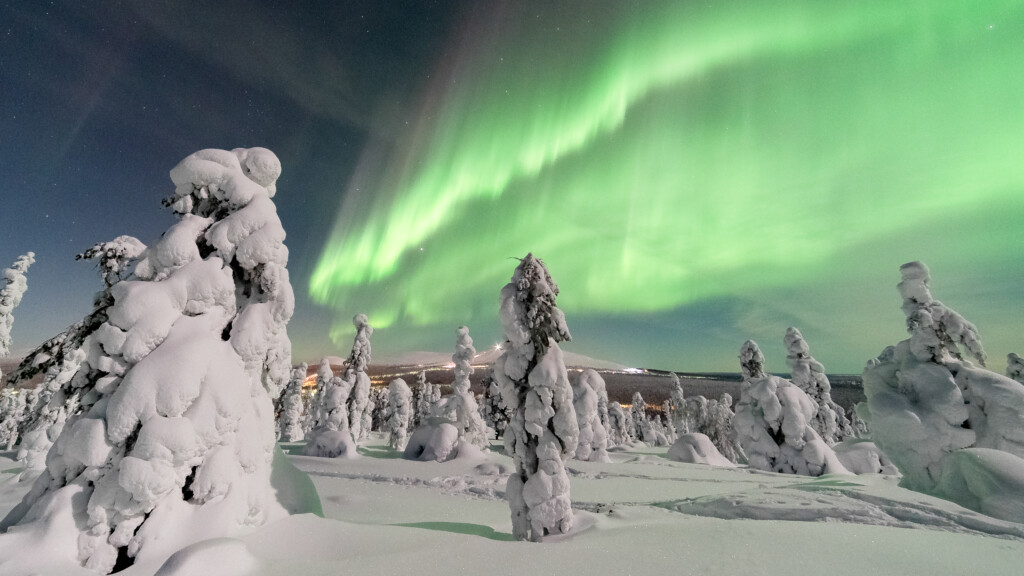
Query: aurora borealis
733, 166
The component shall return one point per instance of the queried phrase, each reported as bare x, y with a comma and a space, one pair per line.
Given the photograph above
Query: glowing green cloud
685, 151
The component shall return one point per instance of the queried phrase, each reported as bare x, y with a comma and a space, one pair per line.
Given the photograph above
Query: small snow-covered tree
930, 410
670, 428
496, 414
379, 397
619, 426
772, 423
638, 412
1015, 367
115, 257
808, 374
324, 381
177, 427
332, 436
291, 406
719, 427
593, 444
357, 379
543, 432
460, 407
10, 296
420, 399
695, 414
399, 413
677, 406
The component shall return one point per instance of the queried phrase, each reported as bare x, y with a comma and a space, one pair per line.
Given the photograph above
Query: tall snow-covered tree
772, 423
719, 428
324, 381
677, 406
531, 373
593, 444
930, 410
1015, 367
291, 406
10, 296
177, 422
460, 407
399, 413
421, 399
638, 411
808, 374
357, 380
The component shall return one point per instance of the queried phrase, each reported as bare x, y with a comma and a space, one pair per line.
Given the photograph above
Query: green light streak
690, 151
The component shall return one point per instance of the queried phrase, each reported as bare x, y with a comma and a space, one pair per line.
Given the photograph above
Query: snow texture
926, 404
176, 435
830, 421
772, 423
400, 413
10, 297
696, 448
543, 432
292, 407
593, 444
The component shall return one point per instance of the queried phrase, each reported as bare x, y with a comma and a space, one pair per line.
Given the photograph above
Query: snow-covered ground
639, 514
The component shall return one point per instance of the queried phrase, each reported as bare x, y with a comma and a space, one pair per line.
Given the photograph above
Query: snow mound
697, 448
436, 440
221, 556
861, 456
332, 444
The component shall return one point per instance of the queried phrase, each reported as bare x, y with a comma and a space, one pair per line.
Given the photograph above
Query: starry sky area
694, 173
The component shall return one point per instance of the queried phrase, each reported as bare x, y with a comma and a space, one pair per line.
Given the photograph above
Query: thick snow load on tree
115, 257
677, 406
719, 428
543, 432
324, 381
772, 423
808, 374
12, 412
861, 456
593, 444
54, 409
496, 414
641, 427
1015, 367
176, 437
291, 406
10, 296
400, 413
359, 410
460, 407
697, 448
345, 402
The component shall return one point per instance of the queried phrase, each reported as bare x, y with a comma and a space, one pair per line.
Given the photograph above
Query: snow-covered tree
719, 427
496, 414
460, 407
772, 423
10, 296
177, 425
324, 381
830, 421
357, 379
332, 436
12, 413
593, 444
54, 408
115, 257
638, 412
379, 398
1015, 367
291, 407
619, 426
670, 428
930, 410
696, 414
543, 432
677, 406
421, 399
399, 413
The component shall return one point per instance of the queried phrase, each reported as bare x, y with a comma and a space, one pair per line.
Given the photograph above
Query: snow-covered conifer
638, 412
1015, 367
929, 409
177, 383
357, 379
772, 423
695, 414
670, 428
380, 398
332, 436
421, 399
677, 406
719, 427
324, 381
54, 409
400, 413
10, 296
619, 426
291, 407
593, 444
460, 407
830, 421
12, 412
496, 414
531, 373
115, 257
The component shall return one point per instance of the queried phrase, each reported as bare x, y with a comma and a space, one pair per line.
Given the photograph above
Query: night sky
694, 173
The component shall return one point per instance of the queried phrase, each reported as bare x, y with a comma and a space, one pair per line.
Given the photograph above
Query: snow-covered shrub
291, 407
115, 257
543, 432
460, 408
618, 425
830, 422
436, 439
10, 296
772, 423
1015, 367
677, 406
930, 410
593, 444
638, 412
177, 427
400, 413
696, 448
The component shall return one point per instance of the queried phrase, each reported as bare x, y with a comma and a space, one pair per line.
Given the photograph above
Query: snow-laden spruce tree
830, 422
953, 428
543, 432
719, 428
677, 406
176, 434
619, 426
460, 407
291, 406
420, 399
55, 406
638, 412
324, 381
1015, 367
14, 289
696, 414
380, 399
593, 444
399, 413
772, 422
359, 410
331, 437
496, 415
12, 412
114, 258
670, 428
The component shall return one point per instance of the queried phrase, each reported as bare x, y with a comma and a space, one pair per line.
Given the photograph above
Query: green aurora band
665, 155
